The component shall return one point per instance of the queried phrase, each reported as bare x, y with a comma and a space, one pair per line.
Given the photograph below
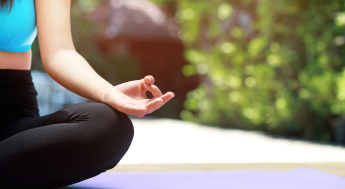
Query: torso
15, 61
17, 33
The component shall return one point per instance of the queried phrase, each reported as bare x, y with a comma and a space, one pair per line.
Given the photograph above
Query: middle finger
150, 106
166, 97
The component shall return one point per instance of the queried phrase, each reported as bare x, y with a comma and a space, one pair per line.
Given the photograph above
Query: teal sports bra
18, 28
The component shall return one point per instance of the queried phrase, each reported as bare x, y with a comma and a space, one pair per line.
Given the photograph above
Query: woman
76, 142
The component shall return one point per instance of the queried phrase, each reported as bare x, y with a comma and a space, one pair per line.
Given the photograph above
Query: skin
62, 62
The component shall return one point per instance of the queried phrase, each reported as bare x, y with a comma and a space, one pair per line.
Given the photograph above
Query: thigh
73, 113
21, 125
73, 144
28, 123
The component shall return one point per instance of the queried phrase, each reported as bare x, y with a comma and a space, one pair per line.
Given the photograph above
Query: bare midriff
15, 61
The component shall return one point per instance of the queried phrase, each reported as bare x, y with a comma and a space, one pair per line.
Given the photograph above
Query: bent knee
104, 115
101, 125
115, 136
114, 128
98, 114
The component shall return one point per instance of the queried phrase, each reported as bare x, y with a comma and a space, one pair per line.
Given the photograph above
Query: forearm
72, 71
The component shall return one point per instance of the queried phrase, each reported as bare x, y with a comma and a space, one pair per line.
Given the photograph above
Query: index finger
154, 90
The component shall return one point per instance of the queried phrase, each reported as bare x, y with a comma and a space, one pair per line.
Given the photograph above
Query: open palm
130, 97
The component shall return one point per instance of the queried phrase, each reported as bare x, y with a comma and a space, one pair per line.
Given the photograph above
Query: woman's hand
130, 97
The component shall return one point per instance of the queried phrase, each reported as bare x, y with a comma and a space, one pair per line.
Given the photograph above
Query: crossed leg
68, 146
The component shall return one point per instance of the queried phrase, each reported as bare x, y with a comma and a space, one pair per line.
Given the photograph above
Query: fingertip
147, 80
152, 79
171, 94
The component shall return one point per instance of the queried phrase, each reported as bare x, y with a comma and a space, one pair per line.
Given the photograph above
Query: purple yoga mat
296, 179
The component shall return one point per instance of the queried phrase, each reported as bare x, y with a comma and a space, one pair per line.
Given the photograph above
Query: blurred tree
270, 65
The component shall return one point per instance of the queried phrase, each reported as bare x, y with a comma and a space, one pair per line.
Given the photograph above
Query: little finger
134, 110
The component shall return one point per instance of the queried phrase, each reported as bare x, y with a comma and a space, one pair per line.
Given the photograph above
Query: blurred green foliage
270, 65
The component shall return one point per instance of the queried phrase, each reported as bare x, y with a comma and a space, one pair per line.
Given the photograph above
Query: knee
106, 131
111, 120
115, 129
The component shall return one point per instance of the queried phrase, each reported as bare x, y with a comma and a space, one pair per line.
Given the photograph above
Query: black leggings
73, 144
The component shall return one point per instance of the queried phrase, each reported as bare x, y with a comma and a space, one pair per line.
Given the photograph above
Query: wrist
104, 94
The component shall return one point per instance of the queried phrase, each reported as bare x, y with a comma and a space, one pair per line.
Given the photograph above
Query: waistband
14, 75
17, 96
